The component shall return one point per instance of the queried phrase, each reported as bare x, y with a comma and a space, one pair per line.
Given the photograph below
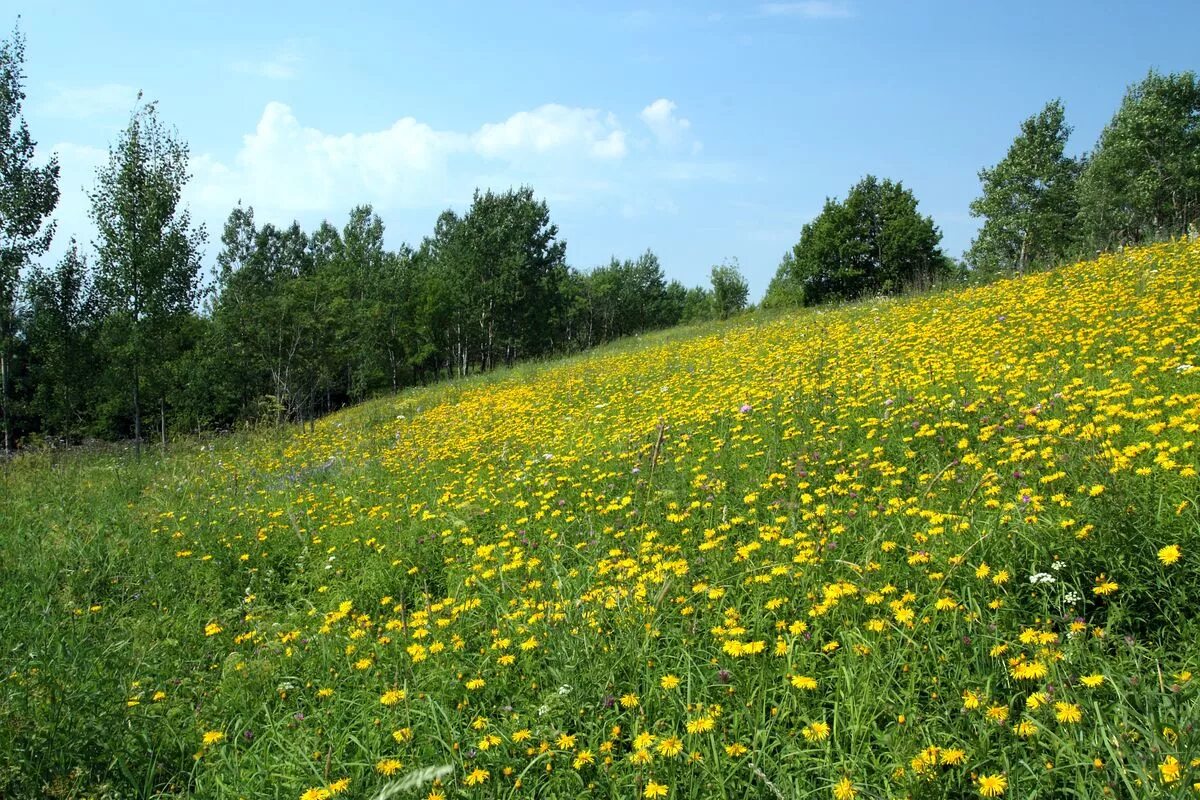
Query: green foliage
874, 242
148, 255
60, 333
28, 194
786, 289
1142, 180
1028, 203
730, 291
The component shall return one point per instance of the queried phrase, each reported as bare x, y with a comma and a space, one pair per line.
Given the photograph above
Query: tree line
295, 323
1038, 206
127, 334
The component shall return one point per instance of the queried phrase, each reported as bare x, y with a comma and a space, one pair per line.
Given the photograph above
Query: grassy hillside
941, 547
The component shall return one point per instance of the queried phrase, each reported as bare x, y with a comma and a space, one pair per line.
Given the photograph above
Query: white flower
1184, 368
1041, 577
1057, 565
564, 689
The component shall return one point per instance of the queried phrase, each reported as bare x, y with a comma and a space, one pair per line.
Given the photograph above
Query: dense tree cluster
1141, 182
295, 322
128, 335
1038, 206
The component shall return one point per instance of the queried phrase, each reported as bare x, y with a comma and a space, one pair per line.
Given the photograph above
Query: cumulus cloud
667, 127
553, 127
288, 169
88, 102
809, 9
293, 168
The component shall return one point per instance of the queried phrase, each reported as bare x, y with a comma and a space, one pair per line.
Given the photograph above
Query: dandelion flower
388, 766
1169, 554
992, 785
844, 789
655, 790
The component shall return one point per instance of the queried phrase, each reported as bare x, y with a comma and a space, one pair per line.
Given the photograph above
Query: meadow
937, 547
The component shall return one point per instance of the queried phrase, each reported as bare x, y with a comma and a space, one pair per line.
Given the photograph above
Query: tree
28, 194
729, 289
1028, 203
503, 268
874, 242
1143, 178
59, 334
785, 289
148, 253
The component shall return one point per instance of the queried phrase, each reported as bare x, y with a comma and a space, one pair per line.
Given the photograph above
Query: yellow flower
213, 737
1170, 769
734, 750
392, 696
952, 756
212, 629
997, 713
670, 747
992, 785
816, 731
655, 790
388, 766
1169, 554
583, 758
804, 683
1029, 671
1026, 728
629, 700
565, 741
402, 735
669, 682
477, 777
1104, 586
1092, 681
844, 789
1067, 713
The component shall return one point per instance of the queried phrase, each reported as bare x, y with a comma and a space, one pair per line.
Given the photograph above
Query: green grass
862, 494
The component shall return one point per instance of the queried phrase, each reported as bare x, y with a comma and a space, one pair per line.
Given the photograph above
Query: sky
703, 131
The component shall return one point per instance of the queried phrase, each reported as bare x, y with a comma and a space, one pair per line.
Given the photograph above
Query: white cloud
282, 66
553, 127
87, 102
668, 128
285, 169
809, 9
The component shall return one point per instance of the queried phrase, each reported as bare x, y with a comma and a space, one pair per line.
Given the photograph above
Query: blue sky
703, 131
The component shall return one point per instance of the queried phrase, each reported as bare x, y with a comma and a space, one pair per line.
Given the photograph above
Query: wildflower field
939, 547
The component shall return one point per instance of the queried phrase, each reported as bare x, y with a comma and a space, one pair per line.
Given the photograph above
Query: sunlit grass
936, 547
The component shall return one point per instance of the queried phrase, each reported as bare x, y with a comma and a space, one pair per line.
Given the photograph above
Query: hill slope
937, 547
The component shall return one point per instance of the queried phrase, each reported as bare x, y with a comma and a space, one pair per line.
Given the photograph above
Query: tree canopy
1142, 180
1028, 204
873, 242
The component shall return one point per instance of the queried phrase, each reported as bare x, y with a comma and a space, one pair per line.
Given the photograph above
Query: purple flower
746, 408
724, 676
